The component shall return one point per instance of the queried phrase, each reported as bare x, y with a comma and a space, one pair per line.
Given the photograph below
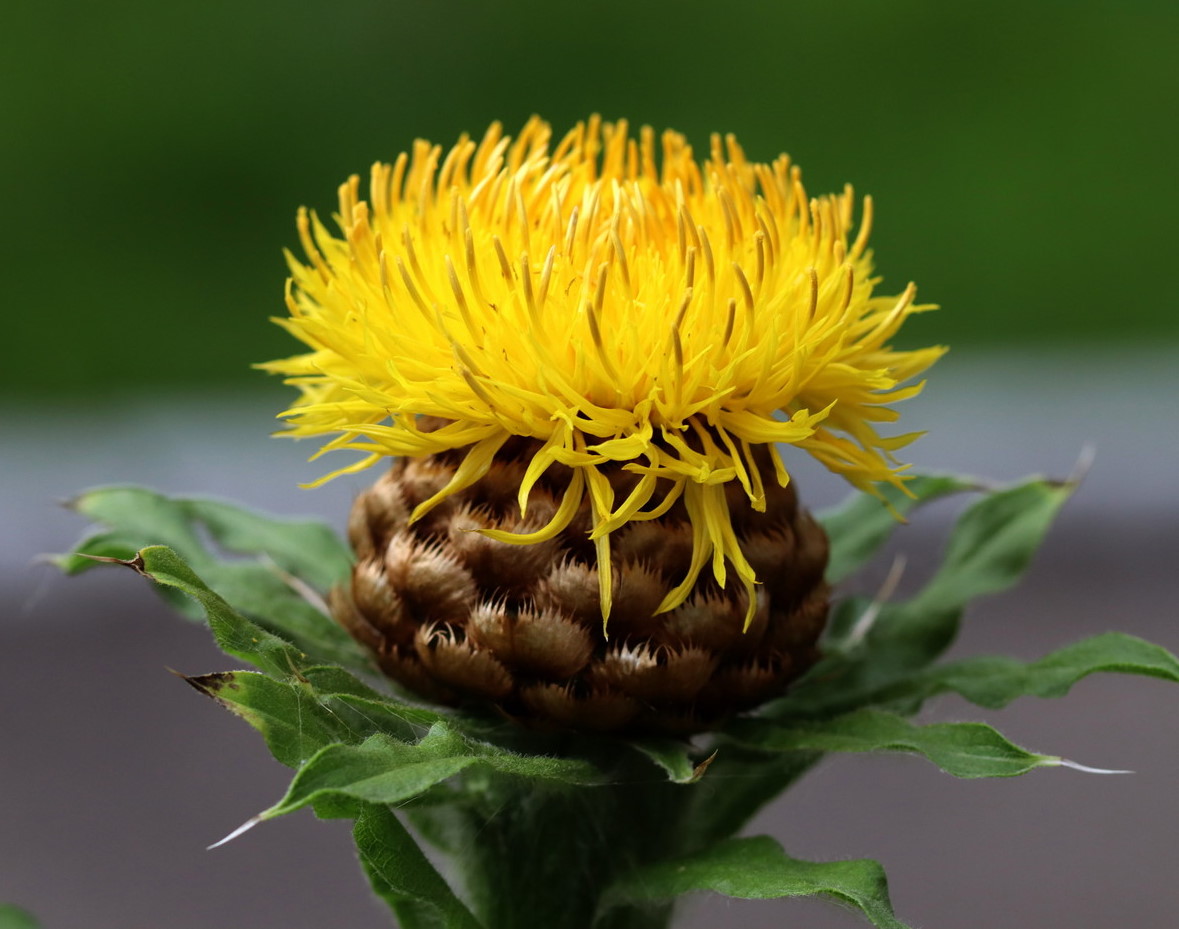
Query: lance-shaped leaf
757, 868
273, 601
859, 526
307, 549
989, 550
874, 646
994, 682
234, 633
293, 721
117, 544
298, 707
150, 517
402, 876
386, 770
278, 588
960, 749
993, 544
364, 716
304, 714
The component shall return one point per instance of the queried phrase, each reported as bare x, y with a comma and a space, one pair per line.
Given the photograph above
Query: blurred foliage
154, 154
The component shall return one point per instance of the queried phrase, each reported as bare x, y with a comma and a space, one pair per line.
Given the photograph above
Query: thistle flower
586, 362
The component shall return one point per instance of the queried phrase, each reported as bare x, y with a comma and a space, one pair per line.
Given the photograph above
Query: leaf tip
210, 685
72, 503
1087, 769
701, 769
59, 561
136, 564
244, 827
1080, 470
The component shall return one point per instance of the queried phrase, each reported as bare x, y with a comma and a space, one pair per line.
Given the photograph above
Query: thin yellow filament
683, 314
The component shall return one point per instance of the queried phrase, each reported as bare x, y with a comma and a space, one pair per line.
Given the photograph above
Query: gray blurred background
1021, 157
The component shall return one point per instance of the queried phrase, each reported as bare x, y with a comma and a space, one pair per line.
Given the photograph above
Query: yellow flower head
613, 299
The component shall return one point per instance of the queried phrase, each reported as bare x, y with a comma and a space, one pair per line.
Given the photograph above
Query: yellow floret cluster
614, 299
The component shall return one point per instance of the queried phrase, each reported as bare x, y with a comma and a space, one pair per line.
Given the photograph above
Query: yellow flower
613, 299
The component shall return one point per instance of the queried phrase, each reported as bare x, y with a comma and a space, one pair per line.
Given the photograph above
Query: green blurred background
153, 157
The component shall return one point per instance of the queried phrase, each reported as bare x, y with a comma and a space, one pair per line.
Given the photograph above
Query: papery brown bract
458, 617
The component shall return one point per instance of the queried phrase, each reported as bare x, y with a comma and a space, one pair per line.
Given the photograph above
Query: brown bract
457, 617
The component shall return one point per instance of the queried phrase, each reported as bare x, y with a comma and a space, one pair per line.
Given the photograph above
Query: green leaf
298, 717
757, 868
993, 543
259, 591
994, 682
152, 518
873, 646
234, 633
298, 707
13, 917
364, 717
960, 749
119, 544
293, 559
386, 770
402, 876
859, 526
291, 717
307, 549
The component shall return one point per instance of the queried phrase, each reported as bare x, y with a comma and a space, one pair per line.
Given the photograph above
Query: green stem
539, 857
530, 855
